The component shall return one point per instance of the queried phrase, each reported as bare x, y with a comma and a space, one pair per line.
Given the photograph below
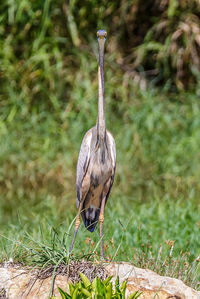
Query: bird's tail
90, 217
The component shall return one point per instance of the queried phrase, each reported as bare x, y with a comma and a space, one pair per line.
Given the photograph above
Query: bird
96, 163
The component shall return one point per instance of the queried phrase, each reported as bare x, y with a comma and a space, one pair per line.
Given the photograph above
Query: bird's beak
101, 35
101, 42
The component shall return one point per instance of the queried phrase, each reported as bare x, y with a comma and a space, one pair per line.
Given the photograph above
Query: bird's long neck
101, 122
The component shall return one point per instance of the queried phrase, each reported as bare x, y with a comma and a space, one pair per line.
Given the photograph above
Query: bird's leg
101, 220
77, 224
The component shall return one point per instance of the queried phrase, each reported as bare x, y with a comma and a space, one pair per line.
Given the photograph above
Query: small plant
96, 289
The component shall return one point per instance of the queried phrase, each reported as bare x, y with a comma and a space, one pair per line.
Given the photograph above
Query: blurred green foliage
48, 100
41, 41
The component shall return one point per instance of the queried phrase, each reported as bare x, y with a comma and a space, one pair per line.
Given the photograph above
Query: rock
151, 284
20, 283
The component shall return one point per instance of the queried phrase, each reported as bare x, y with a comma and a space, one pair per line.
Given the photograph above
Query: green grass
154, 198
48, 100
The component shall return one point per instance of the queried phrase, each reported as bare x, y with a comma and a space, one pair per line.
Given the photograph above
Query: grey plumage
96, 163
99, 165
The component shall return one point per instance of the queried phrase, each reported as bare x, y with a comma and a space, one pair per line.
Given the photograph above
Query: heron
96, 163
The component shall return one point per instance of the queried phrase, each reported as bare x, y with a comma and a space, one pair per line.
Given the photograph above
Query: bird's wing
111, 144
83, 162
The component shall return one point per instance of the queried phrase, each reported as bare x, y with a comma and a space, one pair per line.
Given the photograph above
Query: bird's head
101, 34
